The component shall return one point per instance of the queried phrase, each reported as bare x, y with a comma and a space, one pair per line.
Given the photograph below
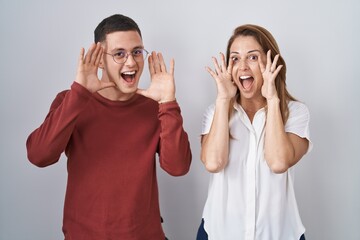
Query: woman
251, 138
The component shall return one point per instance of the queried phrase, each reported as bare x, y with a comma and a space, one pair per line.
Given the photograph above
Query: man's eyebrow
137, 47
123, 49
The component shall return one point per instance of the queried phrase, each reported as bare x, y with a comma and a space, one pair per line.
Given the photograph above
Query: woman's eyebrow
251, 51
255, 50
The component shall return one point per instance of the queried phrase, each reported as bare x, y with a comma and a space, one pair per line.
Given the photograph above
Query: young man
110, 132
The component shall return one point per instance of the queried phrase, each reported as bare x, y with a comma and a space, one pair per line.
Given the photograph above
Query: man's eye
137, 52
119, 54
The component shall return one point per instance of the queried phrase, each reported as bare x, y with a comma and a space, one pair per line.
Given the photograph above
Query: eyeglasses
121, 56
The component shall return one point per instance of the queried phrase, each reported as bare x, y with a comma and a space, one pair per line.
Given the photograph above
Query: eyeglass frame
127, 55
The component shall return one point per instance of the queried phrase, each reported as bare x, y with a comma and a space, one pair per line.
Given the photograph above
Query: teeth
245, 77
129, 73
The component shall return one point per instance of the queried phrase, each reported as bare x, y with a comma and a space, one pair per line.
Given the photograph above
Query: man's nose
130, 60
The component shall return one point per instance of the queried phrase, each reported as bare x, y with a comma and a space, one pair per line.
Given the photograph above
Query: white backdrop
40, 42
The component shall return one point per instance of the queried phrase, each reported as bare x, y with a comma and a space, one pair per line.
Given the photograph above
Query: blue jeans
202, 235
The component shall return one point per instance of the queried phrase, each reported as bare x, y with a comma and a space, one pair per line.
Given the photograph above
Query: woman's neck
251, 106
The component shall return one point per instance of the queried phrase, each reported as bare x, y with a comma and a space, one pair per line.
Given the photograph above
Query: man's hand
87, 69
162, 87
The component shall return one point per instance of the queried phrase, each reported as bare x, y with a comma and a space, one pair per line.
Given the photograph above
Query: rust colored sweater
111, 147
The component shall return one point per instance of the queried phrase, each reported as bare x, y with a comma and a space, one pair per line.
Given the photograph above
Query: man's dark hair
114, 23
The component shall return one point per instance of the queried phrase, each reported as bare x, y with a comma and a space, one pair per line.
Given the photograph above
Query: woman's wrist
273, 101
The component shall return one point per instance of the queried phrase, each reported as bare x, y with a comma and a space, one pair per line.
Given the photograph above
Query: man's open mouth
128, 76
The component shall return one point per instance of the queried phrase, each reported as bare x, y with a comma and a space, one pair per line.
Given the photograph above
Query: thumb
142, 92
81, 56
172, 66
261, 65
107, 85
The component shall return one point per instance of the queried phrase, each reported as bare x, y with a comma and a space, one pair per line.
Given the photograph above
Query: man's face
126, 74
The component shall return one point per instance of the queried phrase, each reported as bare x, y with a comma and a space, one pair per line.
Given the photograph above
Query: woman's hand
225, 86
269, 73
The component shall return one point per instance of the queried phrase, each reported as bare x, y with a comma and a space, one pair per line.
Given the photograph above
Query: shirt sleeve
298, 121
207, 119
46, 143
174, 149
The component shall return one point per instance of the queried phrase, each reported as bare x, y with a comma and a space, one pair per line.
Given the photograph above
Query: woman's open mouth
246, 82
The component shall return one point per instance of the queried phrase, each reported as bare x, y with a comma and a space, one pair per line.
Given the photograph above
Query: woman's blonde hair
267, 42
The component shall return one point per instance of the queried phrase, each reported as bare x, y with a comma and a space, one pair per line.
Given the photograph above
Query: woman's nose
243, 64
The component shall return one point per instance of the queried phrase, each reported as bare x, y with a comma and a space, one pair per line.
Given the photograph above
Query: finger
172, 66
268, 60
155, 62
151, 65
89, 53
273, 66
99, 56
94, 56
276, 72
212, 73
230, 67
81, 57
161, 62
261, 65
223, 63
216, 65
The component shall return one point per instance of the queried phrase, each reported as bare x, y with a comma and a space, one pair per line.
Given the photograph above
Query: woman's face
245, 52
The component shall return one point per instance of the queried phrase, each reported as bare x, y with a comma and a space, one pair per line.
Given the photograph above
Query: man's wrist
167, 100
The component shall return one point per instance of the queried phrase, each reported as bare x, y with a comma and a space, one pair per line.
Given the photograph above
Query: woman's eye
234, 59
253, 58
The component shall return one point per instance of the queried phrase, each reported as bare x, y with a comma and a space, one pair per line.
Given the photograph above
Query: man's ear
101, 64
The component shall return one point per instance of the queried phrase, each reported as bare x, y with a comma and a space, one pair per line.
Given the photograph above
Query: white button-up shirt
246, 200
